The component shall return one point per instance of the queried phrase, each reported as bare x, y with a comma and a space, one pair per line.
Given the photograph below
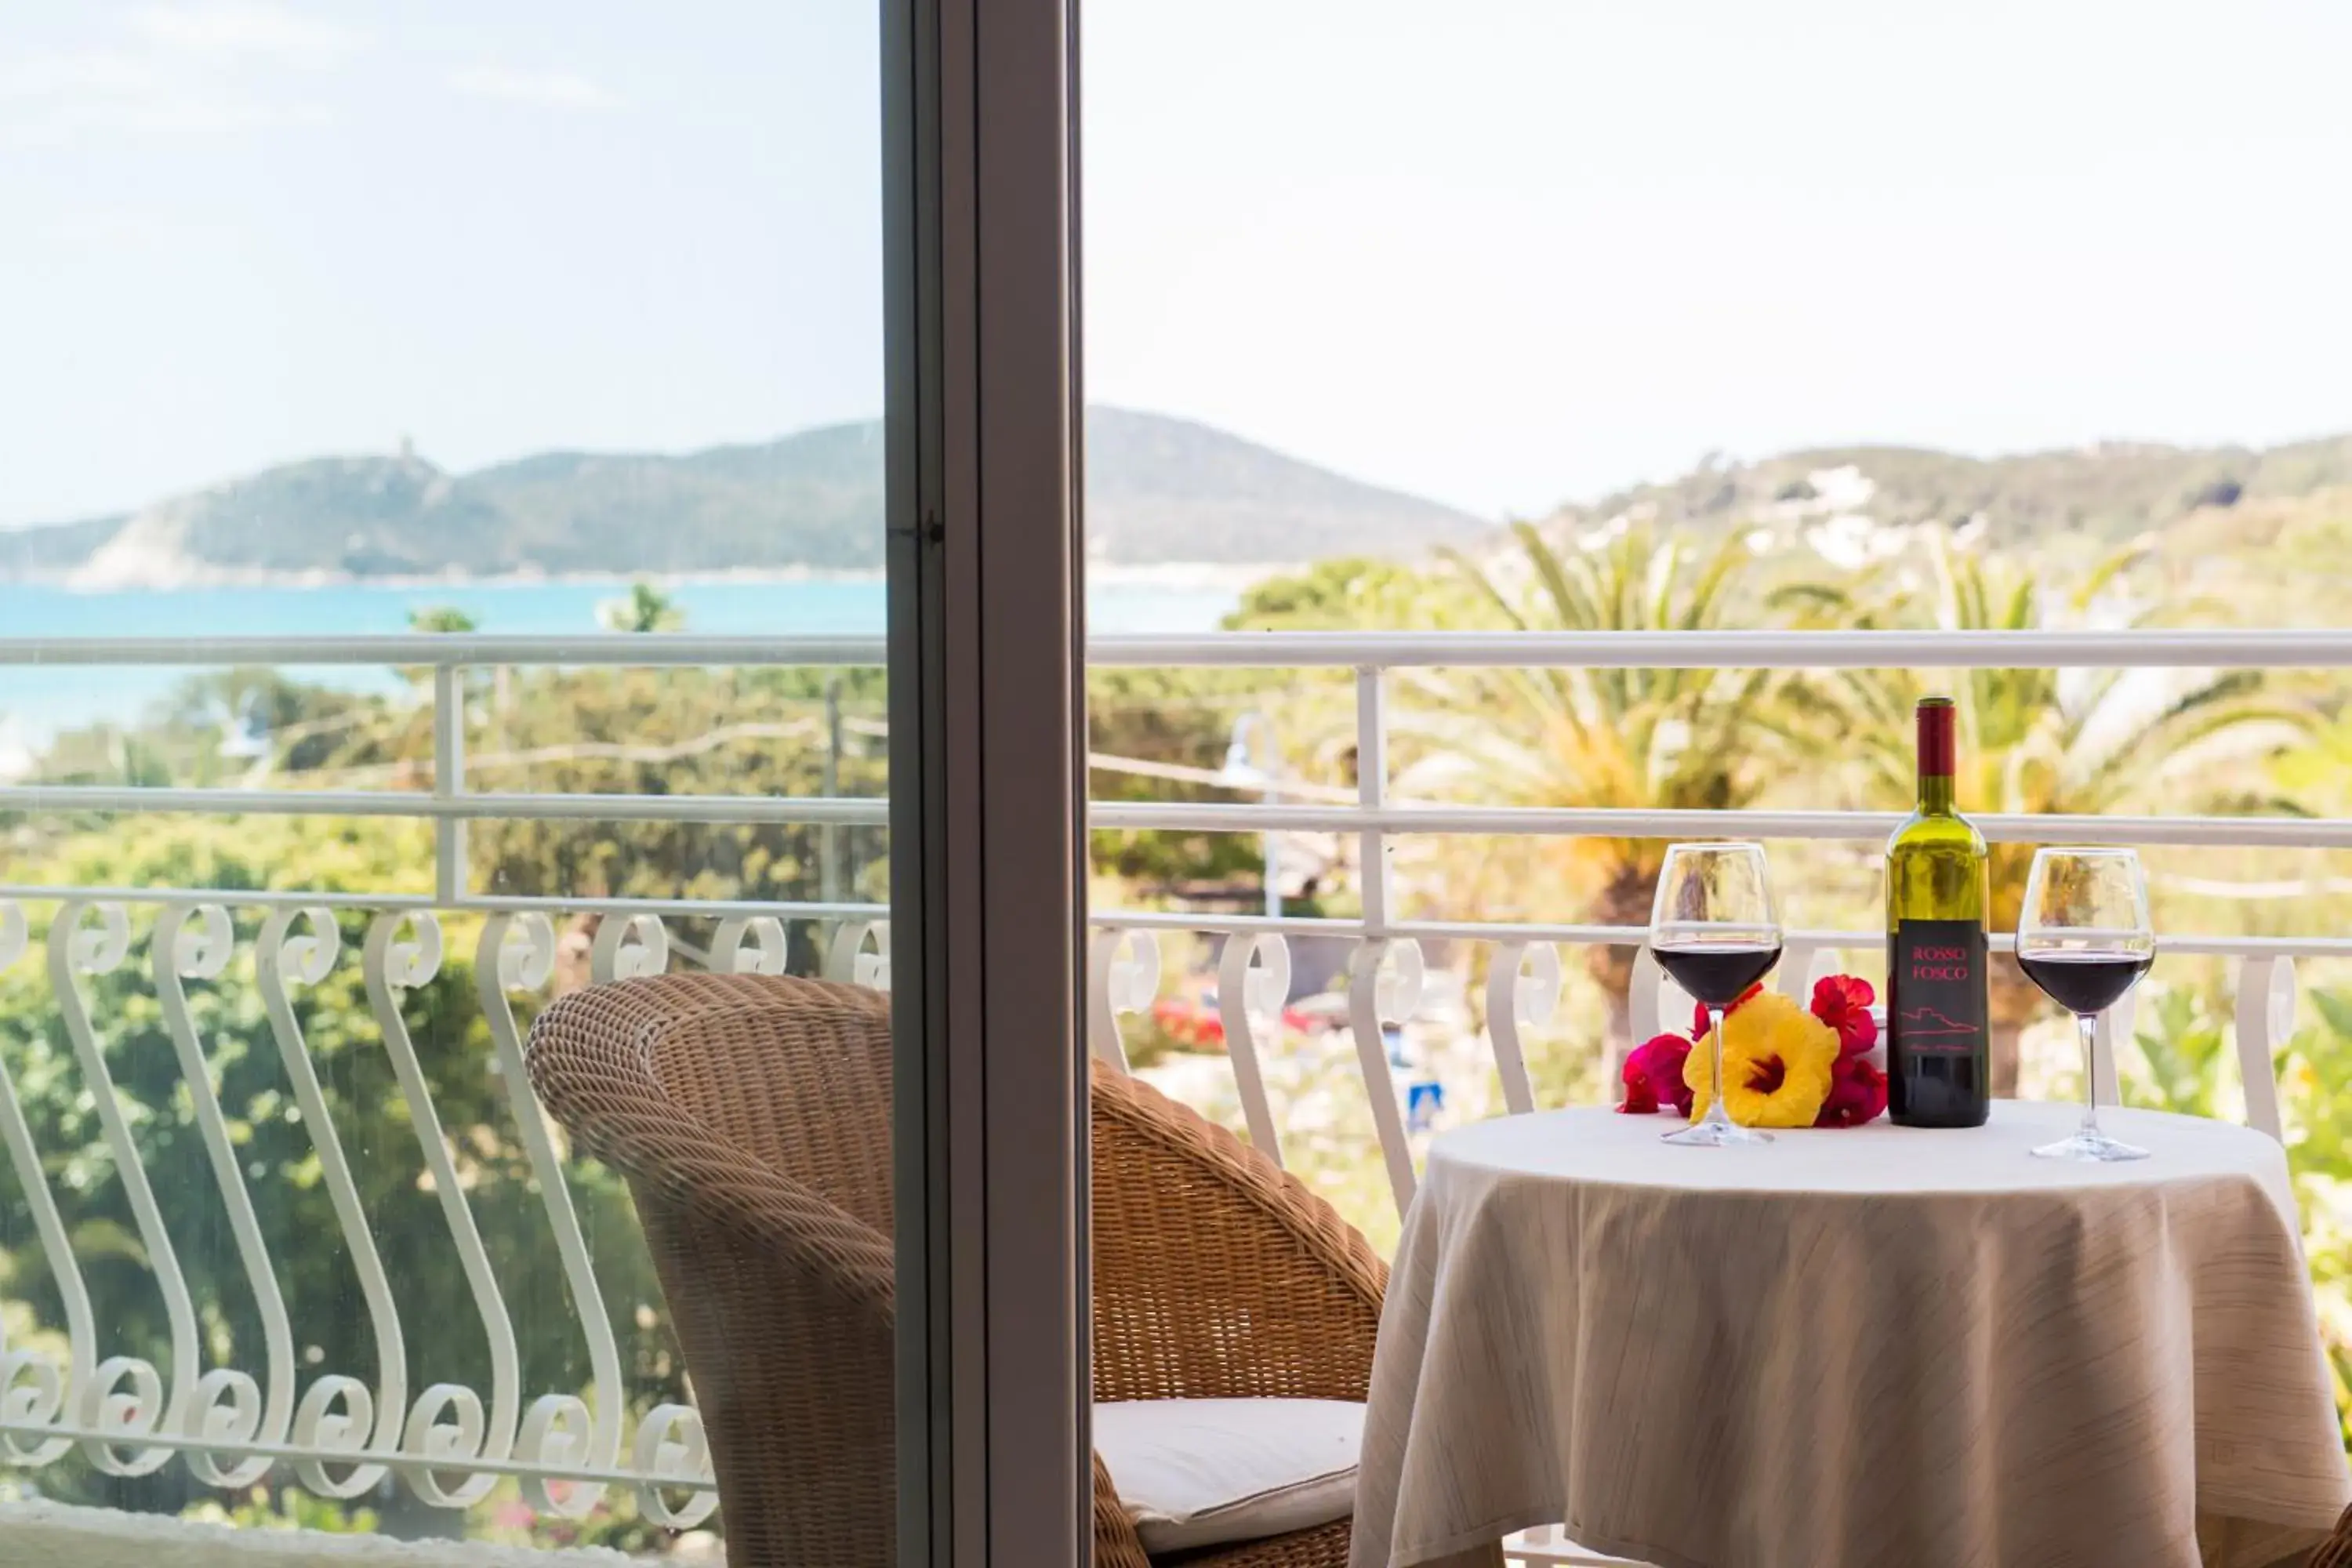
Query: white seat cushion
1203, 1472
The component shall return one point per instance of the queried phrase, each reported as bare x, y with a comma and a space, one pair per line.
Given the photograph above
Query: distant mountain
53, 551
2105, 493
1159, 490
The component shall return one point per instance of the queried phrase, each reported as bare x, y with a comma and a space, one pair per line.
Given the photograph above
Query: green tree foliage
2183, 1038
1348, 591
1568, 736
1187, 720
441, 618
646, 609
444, 1337
679, 732
1167, 718
753, 732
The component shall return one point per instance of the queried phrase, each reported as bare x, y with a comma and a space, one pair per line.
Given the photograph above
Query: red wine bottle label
1936, 989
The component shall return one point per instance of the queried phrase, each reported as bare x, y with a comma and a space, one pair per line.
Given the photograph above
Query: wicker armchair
751, 1116
2336, 1552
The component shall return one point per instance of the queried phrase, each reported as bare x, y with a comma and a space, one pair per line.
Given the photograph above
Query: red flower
1842, 1003
1654, 1076
1857, 1094
1700, 1023
1640, 1098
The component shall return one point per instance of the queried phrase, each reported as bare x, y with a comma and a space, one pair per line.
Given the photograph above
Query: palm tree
441, 618
2077, 741
1649, 739
646, 609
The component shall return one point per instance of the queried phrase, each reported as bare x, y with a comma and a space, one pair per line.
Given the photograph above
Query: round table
1852, 1348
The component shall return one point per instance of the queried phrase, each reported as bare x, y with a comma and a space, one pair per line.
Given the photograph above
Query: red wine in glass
2082, 982
1717, 973
2084, 936
1715, 928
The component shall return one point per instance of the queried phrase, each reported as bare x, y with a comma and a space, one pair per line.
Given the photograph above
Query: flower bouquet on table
1783, 1065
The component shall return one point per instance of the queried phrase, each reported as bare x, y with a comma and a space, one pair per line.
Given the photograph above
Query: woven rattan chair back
795, 1074
751, 1117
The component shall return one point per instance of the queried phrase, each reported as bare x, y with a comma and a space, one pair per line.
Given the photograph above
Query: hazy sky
1500, 253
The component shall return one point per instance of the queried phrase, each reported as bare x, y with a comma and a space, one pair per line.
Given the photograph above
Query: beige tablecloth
1869, 1348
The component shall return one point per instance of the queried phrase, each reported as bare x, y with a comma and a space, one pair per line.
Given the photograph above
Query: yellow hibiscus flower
1777, 1058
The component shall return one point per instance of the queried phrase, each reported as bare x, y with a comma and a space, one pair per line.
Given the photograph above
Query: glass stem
2087, 1023
1716, 1116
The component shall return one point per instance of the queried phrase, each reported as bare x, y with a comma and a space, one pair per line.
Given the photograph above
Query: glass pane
1642, 281
476, 413
1428, 326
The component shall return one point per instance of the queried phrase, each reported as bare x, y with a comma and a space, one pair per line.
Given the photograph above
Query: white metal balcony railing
346, 1429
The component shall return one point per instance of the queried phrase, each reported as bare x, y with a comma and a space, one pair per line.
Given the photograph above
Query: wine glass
2084, 937
1715, 930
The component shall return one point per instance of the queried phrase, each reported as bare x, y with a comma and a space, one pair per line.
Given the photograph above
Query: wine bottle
1939, 1044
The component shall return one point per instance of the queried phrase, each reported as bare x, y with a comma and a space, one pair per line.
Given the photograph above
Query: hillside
1159, 491
2105, 494
47, 552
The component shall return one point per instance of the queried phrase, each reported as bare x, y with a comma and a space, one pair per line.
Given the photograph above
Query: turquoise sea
36, 702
